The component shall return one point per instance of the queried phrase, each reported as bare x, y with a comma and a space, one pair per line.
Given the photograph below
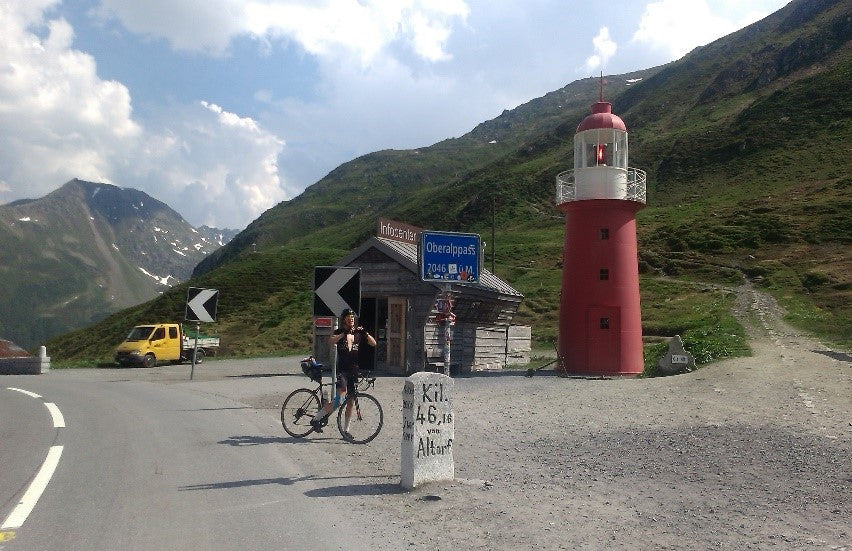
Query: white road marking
25, 506
22, 391
58, 419
21, 511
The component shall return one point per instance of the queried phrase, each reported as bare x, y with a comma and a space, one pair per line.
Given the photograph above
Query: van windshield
140, 333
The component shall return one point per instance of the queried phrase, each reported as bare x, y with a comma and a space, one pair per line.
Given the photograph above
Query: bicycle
303, 404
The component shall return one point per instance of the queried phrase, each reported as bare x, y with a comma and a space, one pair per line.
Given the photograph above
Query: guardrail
566, 187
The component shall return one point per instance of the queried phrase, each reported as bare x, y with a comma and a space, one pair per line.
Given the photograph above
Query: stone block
33, 365
428, 430
676, 360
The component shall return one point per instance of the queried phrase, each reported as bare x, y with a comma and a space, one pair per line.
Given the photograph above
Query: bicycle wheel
298, 410
366, 422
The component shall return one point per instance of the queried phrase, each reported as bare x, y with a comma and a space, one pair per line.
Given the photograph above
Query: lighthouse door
603, 325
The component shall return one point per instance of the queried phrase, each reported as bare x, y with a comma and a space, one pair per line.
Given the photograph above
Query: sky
224, 108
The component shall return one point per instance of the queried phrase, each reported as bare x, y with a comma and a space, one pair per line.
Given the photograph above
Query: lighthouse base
600, 323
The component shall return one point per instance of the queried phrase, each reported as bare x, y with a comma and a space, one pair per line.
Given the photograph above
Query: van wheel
149, 360
199, 356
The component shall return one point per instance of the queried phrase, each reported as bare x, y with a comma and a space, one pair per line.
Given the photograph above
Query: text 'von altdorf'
428, 429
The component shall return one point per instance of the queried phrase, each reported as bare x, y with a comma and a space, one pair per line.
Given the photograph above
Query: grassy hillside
749, 177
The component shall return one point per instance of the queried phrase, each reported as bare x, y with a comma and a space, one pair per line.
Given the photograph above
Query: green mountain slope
745, 144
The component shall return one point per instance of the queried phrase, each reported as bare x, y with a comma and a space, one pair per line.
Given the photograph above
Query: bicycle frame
303, 403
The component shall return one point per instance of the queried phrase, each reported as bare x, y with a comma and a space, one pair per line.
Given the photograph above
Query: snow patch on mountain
161, 280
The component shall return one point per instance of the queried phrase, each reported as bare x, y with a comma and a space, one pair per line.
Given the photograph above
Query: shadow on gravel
386, 488
345, 490
840, 356
507, 373
257, 440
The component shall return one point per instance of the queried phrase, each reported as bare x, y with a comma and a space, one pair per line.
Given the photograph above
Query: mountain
749, 180
217, 236
86, 250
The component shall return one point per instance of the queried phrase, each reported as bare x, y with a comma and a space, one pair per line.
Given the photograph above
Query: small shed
400, 310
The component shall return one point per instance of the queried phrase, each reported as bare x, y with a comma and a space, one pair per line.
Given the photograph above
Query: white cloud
65, 119
605, 48
678, 26
215, 167
353, 28
186, 25
61, 121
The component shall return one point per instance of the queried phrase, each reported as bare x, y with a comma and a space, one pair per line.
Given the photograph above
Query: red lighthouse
600, 322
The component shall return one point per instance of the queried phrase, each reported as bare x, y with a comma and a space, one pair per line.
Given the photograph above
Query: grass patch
701, 315
652, 352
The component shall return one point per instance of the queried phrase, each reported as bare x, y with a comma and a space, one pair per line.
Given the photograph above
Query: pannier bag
312, 369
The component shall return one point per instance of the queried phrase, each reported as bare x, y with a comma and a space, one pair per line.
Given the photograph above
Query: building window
604, 274
604, 323
604, 233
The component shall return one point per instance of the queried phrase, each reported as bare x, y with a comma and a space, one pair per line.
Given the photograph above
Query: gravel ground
749, 453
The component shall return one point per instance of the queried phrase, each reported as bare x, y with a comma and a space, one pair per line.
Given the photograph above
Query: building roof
602, 117
406, 255
8, 349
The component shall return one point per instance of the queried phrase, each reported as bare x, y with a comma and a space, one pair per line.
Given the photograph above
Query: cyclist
348, 338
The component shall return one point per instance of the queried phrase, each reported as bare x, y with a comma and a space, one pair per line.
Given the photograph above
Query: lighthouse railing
636, 190
566, 189
566, 186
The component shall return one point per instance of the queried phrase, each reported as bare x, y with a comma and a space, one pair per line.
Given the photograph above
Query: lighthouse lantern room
600, 322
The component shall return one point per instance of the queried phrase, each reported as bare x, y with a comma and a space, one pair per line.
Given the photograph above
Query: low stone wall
30, 365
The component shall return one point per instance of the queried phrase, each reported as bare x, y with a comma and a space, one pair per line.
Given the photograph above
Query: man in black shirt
348, 338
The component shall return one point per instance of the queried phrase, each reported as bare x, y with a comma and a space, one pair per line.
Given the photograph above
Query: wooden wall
483, 336
475, 347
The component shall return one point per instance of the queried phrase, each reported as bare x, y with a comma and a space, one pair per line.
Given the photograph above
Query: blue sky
224, 108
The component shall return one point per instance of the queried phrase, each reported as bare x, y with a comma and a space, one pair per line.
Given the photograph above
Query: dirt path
747, 453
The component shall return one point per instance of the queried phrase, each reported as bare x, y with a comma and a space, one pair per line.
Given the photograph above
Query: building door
603, 327
397, 309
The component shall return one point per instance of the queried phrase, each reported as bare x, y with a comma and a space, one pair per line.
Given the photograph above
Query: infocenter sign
446, 256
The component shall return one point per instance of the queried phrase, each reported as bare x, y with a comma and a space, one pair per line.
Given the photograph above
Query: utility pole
493, 220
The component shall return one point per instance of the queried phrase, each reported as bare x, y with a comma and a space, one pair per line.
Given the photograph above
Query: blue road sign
446, 256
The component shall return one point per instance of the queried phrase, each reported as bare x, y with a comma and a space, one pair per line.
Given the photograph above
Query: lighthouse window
604, 233
604, 323
604, 274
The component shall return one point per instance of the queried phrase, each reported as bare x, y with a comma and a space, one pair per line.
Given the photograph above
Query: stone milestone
677, 359
428, 430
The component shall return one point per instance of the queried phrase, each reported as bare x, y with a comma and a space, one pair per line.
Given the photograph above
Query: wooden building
400, 310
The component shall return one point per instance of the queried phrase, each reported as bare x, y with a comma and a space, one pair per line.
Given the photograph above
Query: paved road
152, 461
751, 453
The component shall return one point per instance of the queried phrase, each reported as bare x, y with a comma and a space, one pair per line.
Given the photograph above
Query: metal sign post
449, 321
333, 394
201, 306
194, 350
